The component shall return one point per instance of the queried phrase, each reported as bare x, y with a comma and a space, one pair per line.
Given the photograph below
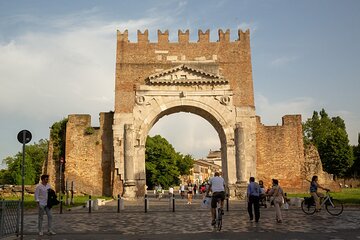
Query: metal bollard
89, 203
173, 202
146, 203
72, 193
118, 204
227, 202
67, 193
61, 204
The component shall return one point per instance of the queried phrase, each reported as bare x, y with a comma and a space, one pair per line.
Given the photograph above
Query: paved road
192, 222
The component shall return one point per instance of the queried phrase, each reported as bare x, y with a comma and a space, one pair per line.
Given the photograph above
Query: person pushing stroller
262, 197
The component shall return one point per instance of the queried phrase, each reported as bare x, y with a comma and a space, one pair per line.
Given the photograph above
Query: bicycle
333, 206
218, 216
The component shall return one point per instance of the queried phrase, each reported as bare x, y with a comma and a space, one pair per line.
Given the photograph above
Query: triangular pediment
184, 74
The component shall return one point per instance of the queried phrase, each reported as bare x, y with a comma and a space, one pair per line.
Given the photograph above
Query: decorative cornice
188, 76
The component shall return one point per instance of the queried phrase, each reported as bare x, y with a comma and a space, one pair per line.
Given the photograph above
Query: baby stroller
262, 201
262, 197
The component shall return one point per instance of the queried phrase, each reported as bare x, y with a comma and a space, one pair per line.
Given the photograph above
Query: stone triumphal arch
153, 79
209, 79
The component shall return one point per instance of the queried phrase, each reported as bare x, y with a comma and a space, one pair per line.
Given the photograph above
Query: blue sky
58, 58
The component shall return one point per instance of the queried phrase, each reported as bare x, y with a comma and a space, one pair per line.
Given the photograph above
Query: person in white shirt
217, 186
182, 191
41, 198
171, 191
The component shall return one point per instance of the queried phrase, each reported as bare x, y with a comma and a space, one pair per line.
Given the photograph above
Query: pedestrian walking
253, 196
171, 191
41, 198
190, 193
182, 191
195, 190
277, 195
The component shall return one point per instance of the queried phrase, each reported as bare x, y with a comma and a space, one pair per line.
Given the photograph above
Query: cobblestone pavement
192, 222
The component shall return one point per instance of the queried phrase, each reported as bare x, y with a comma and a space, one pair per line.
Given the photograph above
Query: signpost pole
22, 184
23, 137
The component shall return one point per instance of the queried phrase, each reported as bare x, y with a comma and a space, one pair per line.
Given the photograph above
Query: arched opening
213, 117
189, 134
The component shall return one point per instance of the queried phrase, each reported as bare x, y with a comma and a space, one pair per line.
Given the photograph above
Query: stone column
241, 183
239, 154
129, 185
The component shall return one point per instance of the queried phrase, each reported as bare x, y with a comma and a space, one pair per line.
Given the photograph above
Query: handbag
206, 202
277, 197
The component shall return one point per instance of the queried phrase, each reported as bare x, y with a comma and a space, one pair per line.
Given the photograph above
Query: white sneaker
41, 233
51, 232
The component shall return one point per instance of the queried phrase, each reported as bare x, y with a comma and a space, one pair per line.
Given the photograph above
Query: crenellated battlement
204, 36
184, 36
163, 37
143, 37
123, 36
224, 36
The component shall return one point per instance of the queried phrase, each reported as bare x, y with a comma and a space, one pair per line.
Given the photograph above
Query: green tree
330, 137
5, 177
57, 135
35, 154
355, 168
185, 164
163, 164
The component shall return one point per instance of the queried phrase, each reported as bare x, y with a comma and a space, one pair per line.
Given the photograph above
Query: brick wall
136, 61
89, 157
280, 153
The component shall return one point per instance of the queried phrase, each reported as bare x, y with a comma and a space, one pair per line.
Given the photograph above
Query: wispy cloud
272, 112
282, 61
66, 66
73, 68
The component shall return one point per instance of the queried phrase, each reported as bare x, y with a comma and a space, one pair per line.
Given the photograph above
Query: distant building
214, 157
204, 168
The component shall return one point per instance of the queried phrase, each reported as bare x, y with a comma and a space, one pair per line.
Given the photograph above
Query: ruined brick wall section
112, 184
136, 61
313, 166
50, 166
280, 153
88, 157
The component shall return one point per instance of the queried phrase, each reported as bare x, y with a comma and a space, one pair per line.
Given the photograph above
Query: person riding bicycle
217, 186
314, 185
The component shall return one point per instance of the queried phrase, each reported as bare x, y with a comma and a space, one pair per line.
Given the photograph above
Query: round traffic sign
24, 136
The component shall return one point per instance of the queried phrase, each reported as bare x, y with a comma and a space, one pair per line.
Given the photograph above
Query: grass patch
349, 196
29, 201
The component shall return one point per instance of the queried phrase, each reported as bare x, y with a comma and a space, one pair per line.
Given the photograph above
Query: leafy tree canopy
163, 164
355, 168
330, 137
35, 154
57, 136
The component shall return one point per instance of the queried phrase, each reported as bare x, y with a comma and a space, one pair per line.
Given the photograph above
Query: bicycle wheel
308, 208
219, 220
334, 207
